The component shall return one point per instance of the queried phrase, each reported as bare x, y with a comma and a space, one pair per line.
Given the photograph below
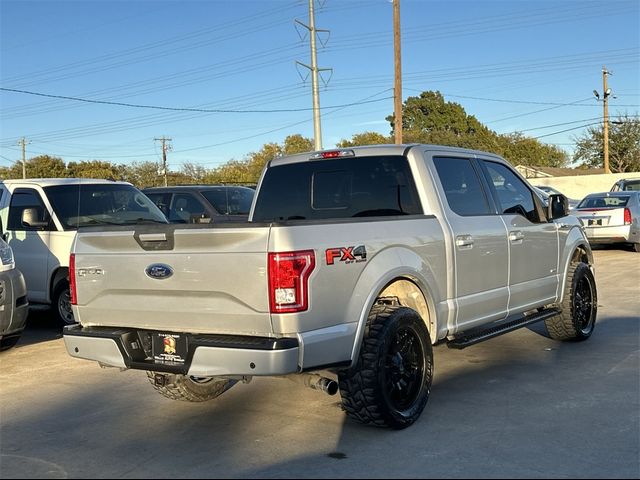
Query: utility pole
165, 147
317, 131
397, 95
24, 143
605, 102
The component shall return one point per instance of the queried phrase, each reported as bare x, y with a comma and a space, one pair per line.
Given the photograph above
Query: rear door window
462, 186
338, 188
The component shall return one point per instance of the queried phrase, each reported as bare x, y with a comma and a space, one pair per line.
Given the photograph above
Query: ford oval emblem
159, 271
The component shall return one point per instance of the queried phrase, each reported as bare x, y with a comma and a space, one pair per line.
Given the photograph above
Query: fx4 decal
346, 254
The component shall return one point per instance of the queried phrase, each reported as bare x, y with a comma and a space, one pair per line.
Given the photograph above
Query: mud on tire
188, 389
390, 383
579, 306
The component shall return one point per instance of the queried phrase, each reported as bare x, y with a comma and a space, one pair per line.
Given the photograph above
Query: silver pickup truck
354, 262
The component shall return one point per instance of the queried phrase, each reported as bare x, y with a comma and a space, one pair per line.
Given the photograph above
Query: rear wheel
579, 306
187, 388
389, 385
61, 303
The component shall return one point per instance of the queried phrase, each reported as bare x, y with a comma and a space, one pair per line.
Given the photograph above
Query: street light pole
605, 102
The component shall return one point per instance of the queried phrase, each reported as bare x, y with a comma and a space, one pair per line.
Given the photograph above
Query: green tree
142, 174
430, 119
521, 150
297, 144
624, 145
93, 169
366, 138
193, 173
42, 166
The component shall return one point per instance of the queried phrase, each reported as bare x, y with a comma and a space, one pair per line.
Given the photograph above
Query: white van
41, 217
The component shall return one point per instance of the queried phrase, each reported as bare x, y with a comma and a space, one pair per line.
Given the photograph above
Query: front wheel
61, 303
390, 383
579, 306
188, 388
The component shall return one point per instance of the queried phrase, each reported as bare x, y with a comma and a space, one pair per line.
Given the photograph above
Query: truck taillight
627, 216
288, 280
72, 279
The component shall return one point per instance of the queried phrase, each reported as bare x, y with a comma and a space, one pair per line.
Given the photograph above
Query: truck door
533, 242
479, 242
30, 242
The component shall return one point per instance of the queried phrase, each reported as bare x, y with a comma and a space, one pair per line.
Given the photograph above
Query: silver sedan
611, 217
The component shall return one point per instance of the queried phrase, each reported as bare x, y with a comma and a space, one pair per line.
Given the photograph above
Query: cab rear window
337, 188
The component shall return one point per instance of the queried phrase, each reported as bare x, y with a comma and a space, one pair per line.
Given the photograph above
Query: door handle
516, 236
464, 241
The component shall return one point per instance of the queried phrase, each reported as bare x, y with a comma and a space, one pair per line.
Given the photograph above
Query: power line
180, 109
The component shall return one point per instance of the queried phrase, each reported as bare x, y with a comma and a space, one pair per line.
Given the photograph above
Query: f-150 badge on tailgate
159, 271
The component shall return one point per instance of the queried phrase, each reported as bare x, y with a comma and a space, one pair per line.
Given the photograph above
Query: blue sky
516, 65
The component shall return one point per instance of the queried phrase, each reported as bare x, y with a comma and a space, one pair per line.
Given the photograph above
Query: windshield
230, 200
611, 201
89, 204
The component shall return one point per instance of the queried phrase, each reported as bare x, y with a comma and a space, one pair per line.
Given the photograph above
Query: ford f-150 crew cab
353, 263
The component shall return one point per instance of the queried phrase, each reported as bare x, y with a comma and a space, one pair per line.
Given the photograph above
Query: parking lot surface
520, 405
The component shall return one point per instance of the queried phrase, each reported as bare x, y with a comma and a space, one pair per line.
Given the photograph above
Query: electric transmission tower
313, 68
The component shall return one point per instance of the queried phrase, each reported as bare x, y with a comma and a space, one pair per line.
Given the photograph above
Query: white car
611, 217
42, 216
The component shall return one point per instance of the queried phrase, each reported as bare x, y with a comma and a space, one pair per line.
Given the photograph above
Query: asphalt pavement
518, 406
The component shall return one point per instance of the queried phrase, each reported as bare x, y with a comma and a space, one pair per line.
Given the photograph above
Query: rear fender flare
389, 265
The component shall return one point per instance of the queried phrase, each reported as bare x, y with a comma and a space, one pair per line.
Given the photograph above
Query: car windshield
610, 201
89, 204
230, 200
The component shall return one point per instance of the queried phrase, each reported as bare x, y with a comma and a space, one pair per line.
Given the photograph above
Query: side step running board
480, 334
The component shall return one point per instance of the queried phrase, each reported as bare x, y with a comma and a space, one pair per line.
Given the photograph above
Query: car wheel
187, 388
390, 384
579, 307
9, 342
61, 303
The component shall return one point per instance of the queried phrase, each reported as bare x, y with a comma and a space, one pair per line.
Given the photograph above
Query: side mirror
557, 207
31, 219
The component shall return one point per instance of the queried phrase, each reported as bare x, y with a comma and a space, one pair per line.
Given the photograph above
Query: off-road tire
579, 306
188, 389
61, 303
396, 349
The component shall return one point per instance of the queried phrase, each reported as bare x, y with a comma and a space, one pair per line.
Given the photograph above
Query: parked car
203, 203
13, 298
573, 202
42, 216
626, 184
611, 217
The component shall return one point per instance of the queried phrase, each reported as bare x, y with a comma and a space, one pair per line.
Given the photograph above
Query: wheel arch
397, 272
578, 251
61, 273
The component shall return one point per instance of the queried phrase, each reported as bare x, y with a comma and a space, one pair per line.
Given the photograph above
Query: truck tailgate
207, 280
